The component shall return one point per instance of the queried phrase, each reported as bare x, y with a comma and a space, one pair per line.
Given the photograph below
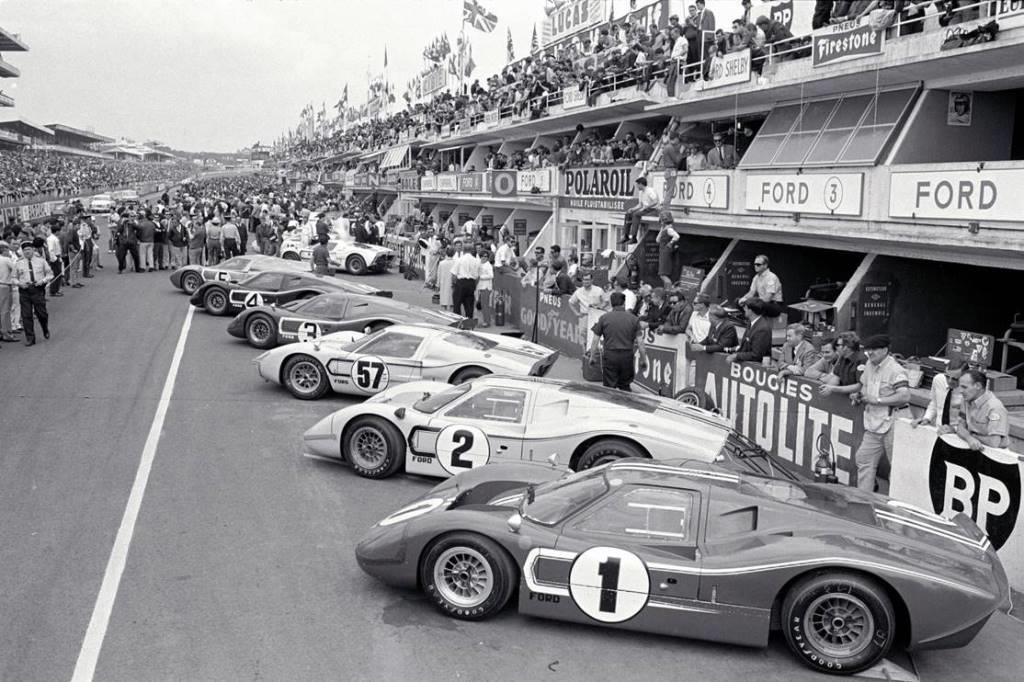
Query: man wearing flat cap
32, 273
885, 394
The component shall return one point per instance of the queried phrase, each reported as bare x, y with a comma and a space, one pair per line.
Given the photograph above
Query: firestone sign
845, 41
958, 195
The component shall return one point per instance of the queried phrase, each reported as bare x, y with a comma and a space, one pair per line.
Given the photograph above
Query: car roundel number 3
370, 374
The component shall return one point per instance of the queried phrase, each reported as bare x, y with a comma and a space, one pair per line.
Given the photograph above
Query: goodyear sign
845, 41
558, 325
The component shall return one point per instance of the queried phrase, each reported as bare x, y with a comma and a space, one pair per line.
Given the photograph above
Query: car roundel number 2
609, 584
370, 374
461, 448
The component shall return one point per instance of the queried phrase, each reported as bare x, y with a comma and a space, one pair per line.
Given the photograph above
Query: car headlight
261, 357
418, 508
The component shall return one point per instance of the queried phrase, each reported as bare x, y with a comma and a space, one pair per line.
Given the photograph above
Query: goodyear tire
696, 398
191, 281
305, 378
468, 576
373, 447
838, 623
291, 255
605, 451
467, 374
216, 301
355, 265
260, 332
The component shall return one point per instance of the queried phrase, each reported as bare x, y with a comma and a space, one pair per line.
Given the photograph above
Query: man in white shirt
647, 204
469, 231
700, 321
31, 274
944, 405
465, 273
505, 257
53, 247
7, 287
590, 300
764, 285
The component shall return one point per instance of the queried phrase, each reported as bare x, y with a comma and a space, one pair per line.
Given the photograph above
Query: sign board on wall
572, 16
814, 193
434, 80
701, 191
492, 118
873, 308
941, 475
519, 227
503, 183
958, 194
573, 97
428, 183
845, 41
598, 188
728, 69
529, 180
447, 182
471, 182
558, 325
970, 346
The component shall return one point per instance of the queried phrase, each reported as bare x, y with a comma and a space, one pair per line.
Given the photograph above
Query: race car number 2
609, 584
308, 331
370, 374
460, 448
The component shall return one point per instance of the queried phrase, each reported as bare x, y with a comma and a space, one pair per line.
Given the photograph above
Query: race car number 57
370, 374
460, 448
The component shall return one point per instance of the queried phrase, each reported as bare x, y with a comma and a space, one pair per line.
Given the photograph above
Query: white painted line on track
88, 656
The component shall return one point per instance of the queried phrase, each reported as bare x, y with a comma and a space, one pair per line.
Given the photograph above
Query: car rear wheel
605, 451
468, 576
838, 623
696, 398
373, 447
305, 378
191, 281
216, 302
259, 331
291, 255
468, 374
356, 265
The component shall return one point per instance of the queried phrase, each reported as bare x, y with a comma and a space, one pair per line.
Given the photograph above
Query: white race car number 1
370, 374
609, 584
460, 448
308, 331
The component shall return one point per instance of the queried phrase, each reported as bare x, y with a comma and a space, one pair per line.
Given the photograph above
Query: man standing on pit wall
885, 394
623, 337
983, 418
646, 204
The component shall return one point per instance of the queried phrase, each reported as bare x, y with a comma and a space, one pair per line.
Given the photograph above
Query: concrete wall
928, 139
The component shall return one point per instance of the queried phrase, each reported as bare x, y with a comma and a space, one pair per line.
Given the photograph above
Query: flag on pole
470, 64
385, 56
510, 55
478, 17
534, 43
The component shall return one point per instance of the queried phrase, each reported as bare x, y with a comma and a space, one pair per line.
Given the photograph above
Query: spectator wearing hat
757, 342
196, 240
146, 230
214, 243
983, 420
699, 324
647, 204
668, 245
884, 392
721, 335
31, 274
722, 155
7, 289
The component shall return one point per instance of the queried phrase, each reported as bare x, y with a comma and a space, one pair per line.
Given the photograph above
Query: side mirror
515, 522
553, 459
400, 413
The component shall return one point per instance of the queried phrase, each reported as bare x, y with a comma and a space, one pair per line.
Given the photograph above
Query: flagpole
462, 54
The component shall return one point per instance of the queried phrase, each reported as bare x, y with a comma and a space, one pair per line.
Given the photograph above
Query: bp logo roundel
609, 584
980, 484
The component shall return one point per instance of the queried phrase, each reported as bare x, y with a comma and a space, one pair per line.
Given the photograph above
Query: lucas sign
824, 194
958, 195
845, 41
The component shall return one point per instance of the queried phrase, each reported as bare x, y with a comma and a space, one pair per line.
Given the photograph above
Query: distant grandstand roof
10, 42
23, 126
85, 135
8, 70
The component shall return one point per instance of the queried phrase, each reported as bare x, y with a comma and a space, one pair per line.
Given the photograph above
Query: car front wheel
373, 447
356, 265
838, 623
216, 302
259, 331
291, 255
305, 378
191, 281
468, 576
605, 451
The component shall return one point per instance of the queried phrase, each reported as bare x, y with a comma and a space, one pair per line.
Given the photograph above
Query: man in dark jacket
126, 243
775, 35
757, 342
657, 310
678, 314
722, 335
146, 232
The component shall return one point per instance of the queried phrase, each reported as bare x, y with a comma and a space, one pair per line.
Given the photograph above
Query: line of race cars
665, 519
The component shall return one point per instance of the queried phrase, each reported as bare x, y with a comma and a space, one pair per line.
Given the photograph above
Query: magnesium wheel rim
305, 377
259, 330
463, 577
190, 282
368, 446
217, 301
689, 398
839, 625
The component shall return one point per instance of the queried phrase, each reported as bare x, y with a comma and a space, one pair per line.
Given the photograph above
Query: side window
393, 345
294, 282
646, 514
492, 404
323, 307
268, 281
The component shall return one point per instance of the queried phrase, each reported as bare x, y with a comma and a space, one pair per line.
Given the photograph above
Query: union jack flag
478, 17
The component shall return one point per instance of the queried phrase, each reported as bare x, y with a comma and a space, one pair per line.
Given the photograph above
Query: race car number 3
308, 331
609, 584
370, 374
460, 448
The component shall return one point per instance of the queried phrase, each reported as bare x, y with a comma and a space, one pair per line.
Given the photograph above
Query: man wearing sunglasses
766, 286
944, 405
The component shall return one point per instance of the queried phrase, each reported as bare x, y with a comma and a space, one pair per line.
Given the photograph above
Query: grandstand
9, 42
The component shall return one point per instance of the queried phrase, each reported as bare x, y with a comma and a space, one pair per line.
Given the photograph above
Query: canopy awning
394, 158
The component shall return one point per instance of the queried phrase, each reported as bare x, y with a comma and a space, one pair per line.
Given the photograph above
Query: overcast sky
218, 75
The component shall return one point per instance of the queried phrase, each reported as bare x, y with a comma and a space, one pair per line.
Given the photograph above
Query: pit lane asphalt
241, 566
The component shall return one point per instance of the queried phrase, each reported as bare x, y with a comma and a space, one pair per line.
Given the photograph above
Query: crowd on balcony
25, 175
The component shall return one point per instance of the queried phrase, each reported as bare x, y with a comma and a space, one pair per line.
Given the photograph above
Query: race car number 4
460, 448
609, 584
370, 374
253, 299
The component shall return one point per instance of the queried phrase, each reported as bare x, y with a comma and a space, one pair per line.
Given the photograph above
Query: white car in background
346, 254
101, 203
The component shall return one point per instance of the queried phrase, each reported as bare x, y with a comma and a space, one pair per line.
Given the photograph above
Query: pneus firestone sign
845, 41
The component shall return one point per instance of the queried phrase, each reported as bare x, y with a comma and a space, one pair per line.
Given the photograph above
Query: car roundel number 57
461, 448
370, 374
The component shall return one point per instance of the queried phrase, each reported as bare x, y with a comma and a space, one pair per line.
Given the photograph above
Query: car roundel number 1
461, 448
609, 584
370, 374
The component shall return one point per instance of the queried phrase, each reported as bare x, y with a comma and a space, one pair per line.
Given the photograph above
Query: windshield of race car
432, 402
469, 340
556, 500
